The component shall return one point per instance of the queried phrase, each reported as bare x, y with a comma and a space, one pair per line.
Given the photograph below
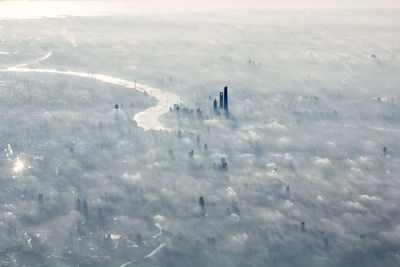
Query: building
226, 98
223, 102
202, 205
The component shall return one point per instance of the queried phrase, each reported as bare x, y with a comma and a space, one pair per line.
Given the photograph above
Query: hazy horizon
56, 8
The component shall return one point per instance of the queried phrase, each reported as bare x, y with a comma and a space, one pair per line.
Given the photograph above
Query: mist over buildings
113, 152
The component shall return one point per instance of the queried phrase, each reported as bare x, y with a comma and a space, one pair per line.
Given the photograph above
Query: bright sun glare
18, 165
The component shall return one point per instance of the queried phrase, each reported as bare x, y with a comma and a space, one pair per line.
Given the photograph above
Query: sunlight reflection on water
19, 165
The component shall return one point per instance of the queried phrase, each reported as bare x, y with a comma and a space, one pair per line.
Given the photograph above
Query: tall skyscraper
40, 198
221, 99
85, 208
215, 105
226, 98
202, 205
78, 205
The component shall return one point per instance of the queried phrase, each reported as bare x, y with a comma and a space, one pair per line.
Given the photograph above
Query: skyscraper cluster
223, 101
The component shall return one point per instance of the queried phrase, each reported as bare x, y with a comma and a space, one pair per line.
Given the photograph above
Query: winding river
147, 119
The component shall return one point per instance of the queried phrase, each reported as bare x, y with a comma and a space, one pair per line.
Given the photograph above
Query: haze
201, 133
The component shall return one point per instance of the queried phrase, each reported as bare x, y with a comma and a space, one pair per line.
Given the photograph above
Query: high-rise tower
226, 98
221, 99
202, 205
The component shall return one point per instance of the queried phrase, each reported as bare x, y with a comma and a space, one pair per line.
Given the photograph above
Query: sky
37, 9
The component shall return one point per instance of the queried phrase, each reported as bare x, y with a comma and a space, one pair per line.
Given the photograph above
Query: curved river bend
147, 119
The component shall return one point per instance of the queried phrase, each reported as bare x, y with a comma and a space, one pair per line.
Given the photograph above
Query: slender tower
226, 98
221, 99
202, 206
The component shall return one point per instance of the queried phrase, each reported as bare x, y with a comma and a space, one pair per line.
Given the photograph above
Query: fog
47, 8
112, 153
